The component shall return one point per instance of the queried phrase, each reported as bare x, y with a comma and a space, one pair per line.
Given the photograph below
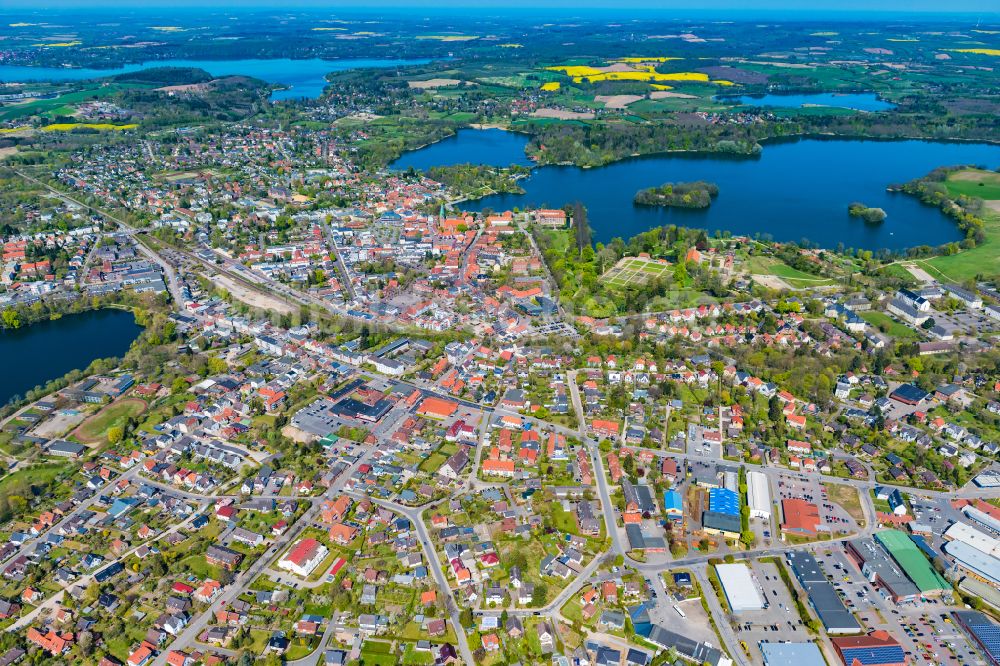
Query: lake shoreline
777, 193
47, 350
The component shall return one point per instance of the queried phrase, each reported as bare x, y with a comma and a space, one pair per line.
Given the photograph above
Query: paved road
190, 634
53, 602
173, 284
415, 516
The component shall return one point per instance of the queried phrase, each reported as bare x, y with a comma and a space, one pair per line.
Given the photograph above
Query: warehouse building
880, 569
800, 654
723, 500
983, 632
974, 562
726, 524
974, 551
878, 648
741, 590
978, 539
673, 504
759, 495
822, 596
913, 563
981, 518
801, 517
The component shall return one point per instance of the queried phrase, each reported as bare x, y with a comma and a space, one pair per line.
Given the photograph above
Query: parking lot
695, 624
855, 591
934, 637
698, 446
921, 628
962, 322
937, 514
778, 622
810, 488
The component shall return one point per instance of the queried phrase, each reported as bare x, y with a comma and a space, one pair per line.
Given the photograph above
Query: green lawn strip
888, 325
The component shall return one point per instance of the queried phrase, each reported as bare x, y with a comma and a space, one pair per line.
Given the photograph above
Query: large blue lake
792, 191
857, 101
306, 77
35, 354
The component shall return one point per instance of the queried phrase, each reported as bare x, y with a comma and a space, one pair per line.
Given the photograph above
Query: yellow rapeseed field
550, 86
636, 59
56, 44
66, 127
989, 52
639, 72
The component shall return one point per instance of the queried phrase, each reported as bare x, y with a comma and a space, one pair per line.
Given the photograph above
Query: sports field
635, 271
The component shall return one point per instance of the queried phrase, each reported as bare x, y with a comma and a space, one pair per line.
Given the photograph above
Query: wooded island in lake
697, 194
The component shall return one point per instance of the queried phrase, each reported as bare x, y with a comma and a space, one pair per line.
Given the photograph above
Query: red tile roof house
304, 557
605, 428
53, 643
799, 447
144, 654
491, 643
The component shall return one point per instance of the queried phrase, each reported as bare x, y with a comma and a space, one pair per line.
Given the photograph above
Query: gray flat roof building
800, 654
878, 567
822, 596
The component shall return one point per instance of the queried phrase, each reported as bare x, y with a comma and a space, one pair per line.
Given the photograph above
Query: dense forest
479, 180
697, 194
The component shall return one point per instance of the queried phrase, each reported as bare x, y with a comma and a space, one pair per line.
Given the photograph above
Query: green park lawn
975, 183
795, 278
95, 428
984, 259
888, 325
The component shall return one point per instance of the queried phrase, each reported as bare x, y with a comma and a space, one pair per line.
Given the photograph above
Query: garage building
741, 590
759, 495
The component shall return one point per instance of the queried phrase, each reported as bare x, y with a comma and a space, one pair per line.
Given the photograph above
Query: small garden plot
377, 653
636, 271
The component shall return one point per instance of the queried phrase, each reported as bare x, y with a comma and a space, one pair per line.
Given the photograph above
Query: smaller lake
469, 146
306, 77
856, 101
35, 354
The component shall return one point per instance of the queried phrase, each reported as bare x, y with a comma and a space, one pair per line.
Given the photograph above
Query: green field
36, 475
975, 183
899, 272
61, 105
888, 325
377, 653
433, 462
95, 428
984, 259
792, 276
